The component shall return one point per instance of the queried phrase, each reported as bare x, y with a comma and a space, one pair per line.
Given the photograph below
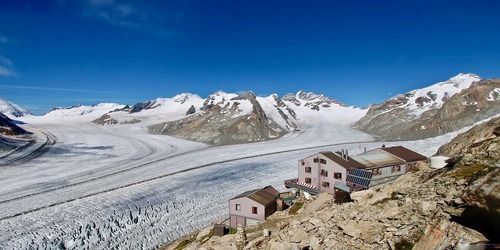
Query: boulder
426, 207
191, 110
444, 234
367, 231
204, 234
298, 235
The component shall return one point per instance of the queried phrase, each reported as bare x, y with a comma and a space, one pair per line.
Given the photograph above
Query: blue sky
61, 53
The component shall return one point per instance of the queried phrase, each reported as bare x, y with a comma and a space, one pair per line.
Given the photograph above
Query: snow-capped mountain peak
463, 80
86, 112
310, 99
183, 97
11, 109
435, 95
438, 108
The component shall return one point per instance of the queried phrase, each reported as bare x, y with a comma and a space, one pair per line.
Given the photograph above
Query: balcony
294, 183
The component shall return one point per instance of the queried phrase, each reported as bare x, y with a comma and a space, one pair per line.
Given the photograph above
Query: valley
117, 176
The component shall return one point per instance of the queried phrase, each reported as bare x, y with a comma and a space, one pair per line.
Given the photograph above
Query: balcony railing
294, 183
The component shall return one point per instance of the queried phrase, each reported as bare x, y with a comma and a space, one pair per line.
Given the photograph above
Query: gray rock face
105, 119
399, 118
442, 233
475, 136
191, 110
142, 106
9, 127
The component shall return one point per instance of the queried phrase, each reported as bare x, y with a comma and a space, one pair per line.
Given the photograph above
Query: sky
68, 52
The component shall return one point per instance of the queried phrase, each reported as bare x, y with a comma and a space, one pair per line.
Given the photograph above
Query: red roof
404, 153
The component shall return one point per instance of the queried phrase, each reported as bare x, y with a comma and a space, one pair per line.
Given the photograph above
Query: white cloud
132, 15
6, 68
51, 89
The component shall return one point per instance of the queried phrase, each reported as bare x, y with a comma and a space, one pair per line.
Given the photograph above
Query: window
324, 173
308, 180
322, 161
302, 163
396, 168
337, 176
316, 159
308, 169
254, 210
238, 207
325, 184
377, 171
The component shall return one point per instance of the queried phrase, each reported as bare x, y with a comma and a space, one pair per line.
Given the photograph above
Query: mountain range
228, 118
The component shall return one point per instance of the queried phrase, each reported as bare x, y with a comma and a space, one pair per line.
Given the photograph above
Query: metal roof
262, 196
377, 158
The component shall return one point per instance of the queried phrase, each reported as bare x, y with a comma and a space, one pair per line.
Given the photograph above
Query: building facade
334, 172
325, 171
252, 207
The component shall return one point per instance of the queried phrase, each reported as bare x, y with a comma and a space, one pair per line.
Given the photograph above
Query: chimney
346, 154
365, 149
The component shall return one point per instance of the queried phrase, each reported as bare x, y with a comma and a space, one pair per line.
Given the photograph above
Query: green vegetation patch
207, 237
182, 244
470, 172
296, 207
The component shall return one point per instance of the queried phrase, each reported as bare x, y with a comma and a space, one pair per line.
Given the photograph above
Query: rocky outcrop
225, 119
105, 119
440, 108
191, 110
472, 138
9, 127
441, 233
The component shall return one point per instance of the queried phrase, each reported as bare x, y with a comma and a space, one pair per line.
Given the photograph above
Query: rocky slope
472, 138
456, 207
225, 119
9, 127
440, 108
11, 135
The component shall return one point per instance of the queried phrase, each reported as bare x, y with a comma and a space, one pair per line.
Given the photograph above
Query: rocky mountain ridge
440, 108
224, 119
